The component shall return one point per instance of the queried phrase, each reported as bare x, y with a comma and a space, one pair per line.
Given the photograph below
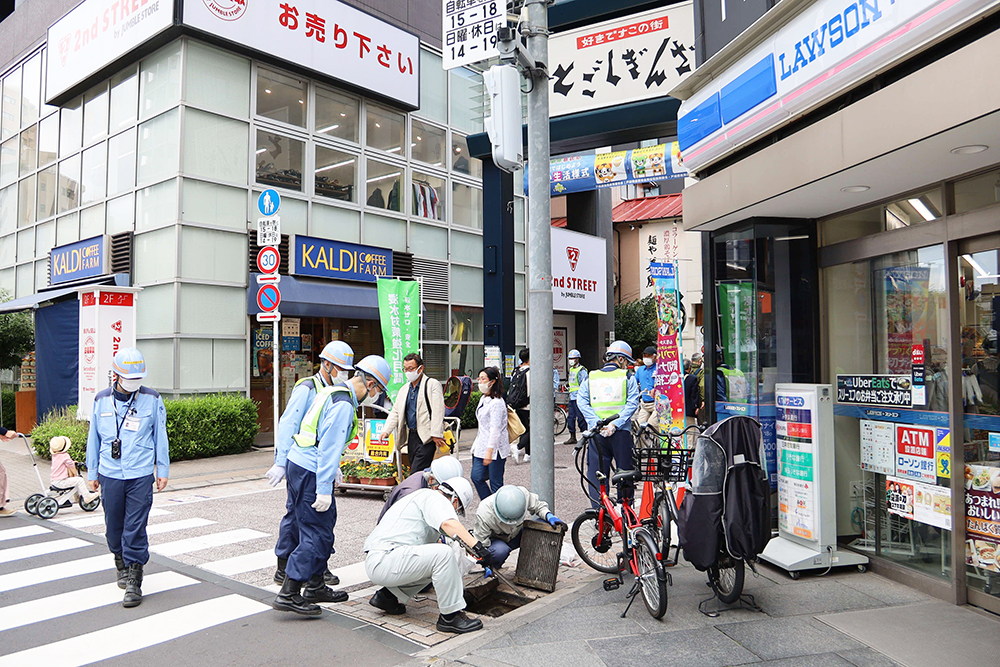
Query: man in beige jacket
417, 416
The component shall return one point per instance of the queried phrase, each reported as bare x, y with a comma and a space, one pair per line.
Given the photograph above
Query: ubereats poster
579, 272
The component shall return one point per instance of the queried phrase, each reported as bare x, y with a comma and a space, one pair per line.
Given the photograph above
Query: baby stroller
47, 503
724, 521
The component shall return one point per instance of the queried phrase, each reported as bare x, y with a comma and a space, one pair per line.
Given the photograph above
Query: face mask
647, 361
411, 376
130, 386
573, 362
484, 387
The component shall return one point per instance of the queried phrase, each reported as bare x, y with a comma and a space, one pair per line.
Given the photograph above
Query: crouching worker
64, 475
405, 553
441, 469
500, 519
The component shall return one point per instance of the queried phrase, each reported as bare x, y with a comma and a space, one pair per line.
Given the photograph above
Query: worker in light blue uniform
313, 461
127, 446
609, 391
577, 374
335, 361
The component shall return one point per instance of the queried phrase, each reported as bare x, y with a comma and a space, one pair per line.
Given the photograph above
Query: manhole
486, 598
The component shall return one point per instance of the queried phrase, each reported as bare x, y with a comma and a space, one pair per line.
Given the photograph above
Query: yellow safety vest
574, 378
308, 431
608, 392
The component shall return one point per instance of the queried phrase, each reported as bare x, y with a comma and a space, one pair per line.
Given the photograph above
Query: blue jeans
315, 543
575, 418
126, 512
487, 479
500, 550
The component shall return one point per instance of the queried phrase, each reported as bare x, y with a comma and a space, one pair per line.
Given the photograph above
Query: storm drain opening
488, 597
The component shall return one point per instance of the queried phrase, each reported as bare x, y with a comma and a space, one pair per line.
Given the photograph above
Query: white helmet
458, 487
446, 467
511, 505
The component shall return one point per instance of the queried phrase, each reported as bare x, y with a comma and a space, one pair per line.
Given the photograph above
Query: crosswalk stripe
181, 524
75, 602
42, 548
23, 531
190, 544
240, 564
351, 575
91, 521
42, 575
138, 634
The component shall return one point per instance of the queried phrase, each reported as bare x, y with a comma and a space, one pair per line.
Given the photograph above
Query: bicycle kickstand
632, 595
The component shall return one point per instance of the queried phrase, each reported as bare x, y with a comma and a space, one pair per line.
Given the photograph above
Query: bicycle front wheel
652, 578
596, 541
661, 512
558, 421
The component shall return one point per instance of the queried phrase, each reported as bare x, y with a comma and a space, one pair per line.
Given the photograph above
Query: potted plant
350, 471
384, 474
364, 472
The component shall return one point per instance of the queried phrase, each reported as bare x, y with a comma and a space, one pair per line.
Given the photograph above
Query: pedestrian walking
500, 520
4, 510
574, 418
127, 445
491, 446
417, 415
519, 398
645, 375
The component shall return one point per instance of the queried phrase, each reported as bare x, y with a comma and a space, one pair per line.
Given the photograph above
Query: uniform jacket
335, 424
489, 526
298, 403
624, 416
430, 422
141, 425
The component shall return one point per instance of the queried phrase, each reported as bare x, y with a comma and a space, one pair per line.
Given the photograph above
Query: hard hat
511, 505
574, 354
458, 487
620, 348
446, 467
377, 367
129, 364
339, 354
649, 352
59, 443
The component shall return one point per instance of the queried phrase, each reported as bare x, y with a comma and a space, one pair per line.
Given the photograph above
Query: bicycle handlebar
590, 433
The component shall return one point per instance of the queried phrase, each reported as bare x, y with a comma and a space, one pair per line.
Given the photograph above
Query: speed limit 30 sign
268, 259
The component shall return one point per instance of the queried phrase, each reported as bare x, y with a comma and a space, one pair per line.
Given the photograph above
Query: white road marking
42, 548
23, 531
239, 564
351, 575
190, 544
138, 634
85, 599
41, 575
181, 524
99, 520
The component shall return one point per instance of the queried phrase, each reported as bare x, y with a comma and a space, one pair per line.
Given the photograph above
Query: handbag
515, 429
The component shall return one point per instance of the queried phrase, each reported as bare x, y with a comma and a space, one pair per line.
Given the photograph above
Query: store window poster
982, 516
263, 355
907, 293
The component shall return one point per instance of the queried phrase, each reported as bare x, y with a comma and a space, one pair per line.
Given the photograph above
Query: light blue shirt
291, 419
646, 377
143, 434
624, 416
555, 380
331, 438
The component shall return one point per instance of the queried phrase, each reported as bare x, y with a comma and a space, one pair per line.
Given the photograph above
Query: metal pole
275, 376
540, 247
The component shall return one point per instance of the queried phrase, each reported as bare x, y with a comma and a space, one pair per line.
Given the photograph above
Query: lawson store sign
84, 259
323, 258
822, 51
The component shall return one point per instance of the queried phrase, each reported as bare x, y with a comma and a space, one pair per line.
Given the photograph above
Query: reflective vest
317, 382
574, 378
608, 392
308, 431
737, 389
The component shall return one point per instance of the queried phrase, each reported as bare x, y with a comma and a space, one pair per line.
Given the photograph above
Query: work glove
339, 479
323, 502
483, 555
608, 430
275, 474
555, 521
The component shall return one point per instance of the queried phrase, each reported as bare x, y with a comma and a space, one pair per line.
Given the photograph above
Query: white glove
323, 502
608, 430
339, 479
275, 474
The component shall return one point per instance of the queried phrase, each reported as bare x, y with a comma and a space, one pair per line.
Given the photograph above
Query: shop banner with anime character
581, 173
669, 391
399, 314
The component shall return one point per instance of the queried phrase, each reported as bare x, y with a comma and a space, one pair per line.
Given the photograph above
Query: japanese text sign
579, 272
669, 379
798, 457
323, 258
399, 312
470, 29
326, 36
84, 259
580, 173
915, 453
982, 516
888, 391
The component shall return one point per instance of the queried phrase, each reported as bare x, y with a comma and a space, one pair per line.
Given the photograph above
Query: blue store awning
301, 297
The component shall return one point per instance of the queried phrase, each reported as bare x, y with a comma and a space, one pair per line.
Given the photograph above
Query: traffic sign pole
268, 261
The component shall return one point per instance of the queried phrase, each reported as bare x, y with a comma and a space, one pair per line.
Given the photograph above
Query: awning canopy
33, 302
301, 297
648, 208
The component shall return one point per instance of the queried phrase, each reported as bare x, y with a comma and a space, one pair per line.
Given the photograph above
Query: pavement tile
812, 597
682, 614
703, 647
776, 638
574, 624
577, 654
885, 590
821, 660
867, 657
503, 642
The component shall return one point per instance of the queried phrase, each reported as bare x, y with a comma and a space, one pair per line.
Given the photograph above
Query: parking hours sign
470, 30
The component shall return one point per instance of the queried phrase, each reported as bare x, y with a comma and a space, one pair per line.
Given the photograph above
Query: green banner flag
399, 312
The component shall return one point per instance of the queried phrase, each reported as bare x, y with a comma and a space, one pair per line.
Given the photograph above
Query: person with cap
4, 510
63, 473
127, 445
607, 392
405, 553
313, 462
500, 520
335, 361
492, 444
441, 469
645, 375
574, 418
417, 415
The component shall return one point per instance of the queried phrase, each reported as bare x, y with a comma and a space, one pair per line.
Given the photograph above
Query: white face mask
411, 376
484, 387
573, 362
647, 361
130, 386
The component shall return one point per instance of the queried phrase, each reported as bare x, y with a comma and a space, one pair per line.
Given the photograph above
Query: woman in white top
491, 447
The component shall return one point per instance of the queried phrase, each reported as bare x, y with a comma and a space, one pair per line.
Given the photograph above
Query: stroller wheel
91, 506
48, 507
31, 504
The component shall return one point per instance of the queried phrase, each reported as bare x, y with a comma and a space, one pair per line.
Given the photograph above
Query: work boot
330, 579
385, 600
122, 571
133, 591
459, 623
279, 574
316, 590
571, 440
288, 599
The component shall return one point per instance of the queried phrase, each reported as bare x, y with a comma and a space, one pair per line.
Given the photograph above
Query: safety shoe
459, 623
289, 599
387, 602
317, 591
571, 440
122, 572
133, 586
279, 574
330, 579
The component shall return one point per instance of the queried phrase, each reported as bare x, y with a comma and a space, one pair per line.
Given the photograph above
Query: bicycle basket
662, 465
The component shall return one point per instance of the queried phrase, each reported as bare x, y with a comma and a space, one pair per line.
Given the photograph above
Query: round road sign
268, 202
268, 298
268, 259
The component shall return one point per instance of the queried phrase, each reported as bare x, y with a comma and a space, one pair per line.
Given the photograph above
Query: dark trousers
500, 550
599, 455
421, 454
315, 529
288, 531
487, 479
524, 442
575, 418
126, 512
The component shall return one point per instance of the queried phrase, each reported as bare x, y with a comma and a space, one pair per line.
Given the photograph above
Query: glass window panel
8, 209
385, 129
68, 229
466, 100
95, 114
217, 80
466, 359
461, 160
467, 207
228, 306
92, 221
215, 147
7, 281
121, 162
121, 214
229, 364
160, 80
11, 120
336, 174
384, 232
435, 321
26, 202
337, 115
519, 263
467, 248
208, 254
518, 217
156, 205
977, 192
436, 361
8, 160
45, 238
519, 297
466, 323
158, 353
31, 91
914, 210
159, 252
124, 99
70, 126
214, 204
433, 87
95, 174
428, 241
466, 285
281, 97
69, 184
427, 143
47, 180
42, 273
8, 250
29, 145
334, 222
26, 245
48, 140
155, 315
520, 328
382, 186
279, 161
195, 363
159, 147
25, 281
428, 196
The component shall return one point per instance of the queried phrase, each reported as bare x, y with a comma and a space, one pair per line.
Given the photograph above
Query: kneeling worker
441, 469
500, 518
404, 553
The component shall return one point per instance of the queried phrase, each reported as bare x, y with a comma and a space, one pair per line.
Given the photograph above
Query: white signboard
878, 447
634, 58
798, 464
470, 30
579, 272
926, 503
269, 231
326, 36
107, 324
95, 34
492, 357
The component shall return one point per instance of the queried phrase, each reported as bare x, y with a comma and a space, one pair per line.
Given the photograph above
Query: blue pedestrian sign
268, 202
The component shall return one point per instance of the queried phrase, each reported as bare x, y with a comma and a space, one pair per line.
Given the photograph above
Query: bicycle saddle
625, 476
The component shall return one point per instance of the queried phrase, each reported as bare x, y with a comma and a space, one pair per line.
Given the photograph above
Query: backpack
517, 395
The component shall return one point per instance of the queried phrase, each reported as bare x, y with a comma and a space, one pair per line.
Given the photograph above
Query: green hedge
9, 409
196, 427
469, 416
